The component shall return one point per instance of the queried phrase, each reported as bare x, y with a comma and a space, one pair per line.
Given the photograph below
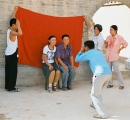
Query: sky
115, 15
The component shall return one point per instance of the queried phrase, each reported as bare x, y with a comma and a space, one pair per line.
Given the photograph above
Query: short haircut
89, 44
52, 36
114, 27
13, 21
99, 27
65, 35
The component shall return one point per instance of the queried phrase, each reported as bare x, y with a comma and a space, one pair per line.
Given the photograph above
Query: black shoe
64, 88
109, 86
121, 87
15, 90
91, 105
69, 88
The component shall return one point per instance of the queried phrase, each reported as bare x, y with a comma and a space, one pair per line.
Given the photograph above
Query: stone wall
30, 75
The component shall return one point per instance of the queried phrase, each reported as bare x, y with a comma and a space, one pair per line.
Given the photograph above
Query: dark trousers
11, 71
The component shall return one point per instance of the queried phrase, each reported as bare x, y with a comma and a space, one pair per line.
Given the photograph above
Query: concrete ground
34, 103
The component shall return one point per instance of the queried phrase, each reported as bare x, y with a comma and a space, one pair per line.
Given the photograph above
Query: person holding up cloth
96, 34
11, 59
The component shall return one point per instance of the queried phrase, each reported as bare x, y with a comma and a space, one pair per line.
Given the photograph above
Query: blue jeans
67, 76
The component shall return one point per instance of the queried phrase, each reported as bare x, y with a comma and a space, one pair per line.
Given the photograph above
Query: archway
115, 15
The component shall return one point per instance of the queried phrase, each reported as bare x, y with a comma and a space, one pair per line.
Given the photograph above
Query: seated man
101, 74
66, 62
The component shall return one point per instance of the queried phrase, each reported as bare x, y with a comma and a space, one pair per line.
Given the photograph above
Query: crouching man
101, 75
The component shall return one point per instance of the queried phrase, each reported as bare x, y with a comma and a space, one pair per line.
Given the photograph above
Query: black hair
89, 44
13, 21
99, 27
114, 27
52, 36
65, 35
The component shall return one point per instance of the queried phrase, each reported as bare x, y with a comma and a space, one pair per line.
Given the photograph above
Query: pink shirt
113, 46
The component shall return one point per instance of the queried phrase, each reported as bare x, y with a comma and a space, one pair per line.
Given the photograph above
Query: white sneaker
100, 117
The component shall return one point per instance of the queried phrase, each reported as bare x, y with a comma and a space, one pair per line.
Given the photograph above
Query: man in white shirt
96, 34
11, 53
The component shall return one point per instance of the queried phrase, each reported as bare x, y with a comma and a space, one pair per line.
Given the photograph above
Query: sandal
50, 89
15, 90
121, 87
109, 86
55, 88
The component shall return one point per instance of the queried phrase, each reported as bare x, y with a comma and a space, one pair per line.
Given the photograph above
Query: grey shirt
98, 40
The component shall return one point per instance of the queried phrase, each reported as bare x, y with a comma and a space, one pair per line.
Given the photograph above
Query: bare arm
122, 47
56, 61
45, 60
19, 31
87, 22
72, 62
13, 34
14, 13
61, 62
106, 44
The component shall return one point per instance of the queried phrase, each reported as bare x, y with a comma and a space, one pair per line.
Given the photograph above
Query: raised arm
82, 56
87, 22
19, 31
14, 13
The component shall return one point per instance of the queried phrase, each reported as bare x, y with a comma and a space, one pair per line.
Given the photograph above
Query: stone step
125, 72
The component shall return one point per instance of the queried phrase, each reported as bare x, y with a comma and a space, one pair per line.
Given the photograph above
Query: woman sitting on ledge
50, 65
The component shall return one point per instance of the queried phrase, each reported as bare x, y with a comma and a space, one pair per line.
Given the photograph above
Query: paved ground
34, 103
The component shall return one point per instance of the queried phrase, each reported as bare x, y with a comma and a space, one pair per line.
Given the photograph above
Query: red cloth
36, 30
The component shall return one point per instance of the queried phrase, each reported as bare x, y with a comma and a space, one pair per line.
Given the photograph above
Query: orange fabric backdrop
36, 30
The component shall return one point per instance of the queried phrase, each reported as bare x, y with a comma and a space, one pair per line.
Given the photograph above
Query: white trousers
97, 86
119, 77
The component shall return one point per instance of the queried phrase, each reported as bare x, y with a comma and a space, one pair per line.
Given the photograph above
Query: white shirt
50, 54
11, 46
98, 40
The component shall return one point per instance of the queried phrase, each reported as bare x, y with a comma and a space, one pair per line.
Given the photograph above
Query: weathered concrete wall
30, 75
